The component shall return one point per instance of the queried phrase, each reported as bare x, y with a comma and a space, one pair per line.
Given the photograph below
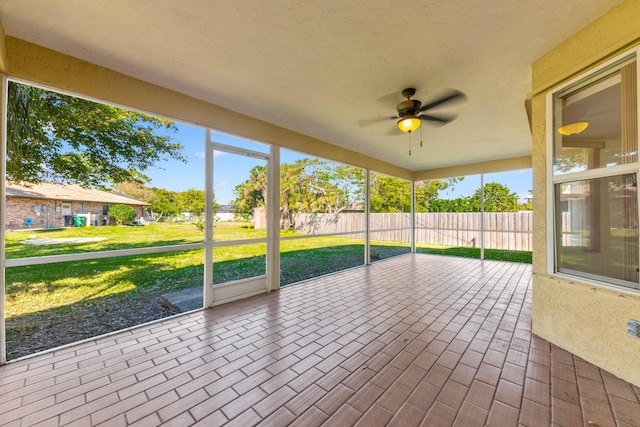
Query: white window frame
552, 180
411, 229
220, 293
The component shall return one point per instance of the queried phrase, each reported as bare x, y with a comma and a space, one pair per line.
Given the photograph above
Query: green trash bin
79, 221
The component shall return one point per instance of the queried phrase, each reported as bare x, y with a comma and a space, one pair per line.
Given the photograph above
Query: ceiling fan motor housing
408, 92
409, 107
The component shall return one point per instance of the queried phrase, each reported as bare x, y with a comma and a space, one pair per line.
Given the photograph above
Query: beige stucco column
584, 318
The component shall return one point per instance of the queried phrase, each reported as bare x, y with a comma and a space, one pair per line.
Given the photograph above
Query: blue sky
230, 170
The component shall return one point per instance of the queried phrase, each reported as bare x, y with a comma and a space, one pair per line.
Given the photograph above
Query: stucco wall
589, 320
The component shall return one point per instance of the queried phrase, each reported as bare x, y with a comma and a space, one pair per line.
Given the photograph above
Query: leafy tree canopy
389, 194
497, 198
253, 191
57, 137
192, 201
122, 214
137, 189
318, 186
165, 202
427, 193
307, 185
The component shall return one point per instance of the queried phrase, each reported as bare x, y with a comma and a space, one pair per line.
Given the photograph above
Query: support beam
481, 216
207, 294
413, 217
367, 217
502, 165
273, 219
3, 51
3, 197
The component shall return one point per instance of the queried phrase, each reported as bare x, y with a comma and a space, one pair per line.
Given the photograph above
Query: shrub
122, 214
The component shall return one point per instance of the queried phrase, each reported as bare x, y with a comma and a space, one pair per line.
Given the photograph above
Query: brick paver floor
414, 340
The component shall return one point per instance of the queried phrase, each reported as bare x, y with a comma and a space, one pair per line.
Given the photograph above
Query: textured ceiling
328, 68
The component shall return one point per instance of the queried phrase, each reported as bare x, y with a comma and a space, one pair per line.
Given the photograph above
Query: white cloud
201, 154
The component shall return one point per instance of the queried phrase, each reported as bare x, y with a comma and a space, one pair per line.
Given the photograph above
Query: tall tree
459, 204
389, 194
253, 192
165, 202
497, 198
57, 137
306, 185
136, 190
429, 191
192, 201
318, 186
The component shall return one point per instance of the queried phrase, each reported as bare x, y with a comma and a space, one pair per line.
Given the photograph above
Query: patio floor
414, 340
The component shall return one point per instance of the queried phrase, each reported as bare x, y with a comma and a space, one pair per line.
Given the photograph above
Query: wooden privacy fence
502, 230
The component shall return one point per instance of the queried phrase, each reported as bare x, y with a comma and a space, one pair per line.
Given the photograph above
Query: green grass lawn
494, 254
49, 305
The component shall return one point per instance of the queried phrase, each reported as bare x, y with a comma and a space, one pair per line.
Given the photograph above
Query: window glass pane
302, 259
447, 216
77, 170
595, 125
508, 215
597, 229
240, 196
234, 141
390, 219
322, 206
88, 177
240, 193
239, 262
449, 222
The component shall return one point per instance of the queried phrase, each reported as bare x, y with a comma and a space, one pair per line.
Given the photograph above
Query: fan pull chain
409, 144
421, 135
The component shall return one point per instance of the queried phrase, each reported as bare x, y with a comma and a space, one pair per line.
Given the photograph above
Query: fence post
273, 219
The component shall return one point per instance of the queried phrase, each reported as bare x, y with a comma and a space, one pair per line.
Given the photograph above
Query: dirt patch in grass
34, 332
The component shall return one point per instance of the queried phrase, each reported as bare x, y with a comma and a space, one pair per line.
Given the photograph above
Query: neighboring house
50, 205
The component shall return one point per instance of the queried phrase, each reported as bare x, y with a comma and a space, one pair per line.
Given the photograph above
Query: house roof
69, 193
330, 69
227, 208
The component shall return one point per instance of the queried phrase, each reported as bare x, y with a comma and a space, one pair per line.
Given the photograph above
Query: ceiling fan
411, 112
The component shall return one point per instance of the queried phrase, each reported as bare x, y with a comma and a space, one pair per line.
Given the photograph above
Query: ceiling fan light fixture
409, 124
573, 128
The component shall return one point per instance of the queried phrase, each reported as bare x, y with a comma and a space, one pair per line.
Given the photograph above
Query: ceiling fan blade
374, 120
389, 100
438, 119
451, 95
